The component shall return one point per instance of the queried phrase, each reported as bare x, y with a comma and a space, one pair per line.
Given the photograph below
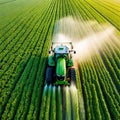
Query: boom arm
63, 43
68, 44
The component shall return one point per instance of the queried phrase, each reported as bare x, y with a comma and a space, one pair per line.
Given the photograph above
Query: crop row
28, 52
7, 81
89, 89
23, 57
106, 13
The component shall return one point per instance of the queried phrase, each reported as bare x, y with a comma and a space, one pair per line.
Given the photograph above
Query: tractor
60, 69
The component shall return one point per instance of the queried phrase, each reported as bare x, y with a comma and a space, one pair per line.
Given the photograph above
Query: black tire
73, 76
49, 75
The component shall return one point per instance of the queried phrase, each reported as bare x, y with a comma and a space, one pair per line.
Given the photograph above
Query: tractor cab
61, 51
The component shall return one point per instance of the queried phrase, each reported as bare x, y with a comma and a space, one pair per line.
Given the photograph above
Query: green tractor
60, 69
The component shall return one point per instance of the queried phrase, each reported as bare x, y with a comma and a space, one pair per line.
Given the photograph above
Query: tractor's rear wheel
49, 74
73, 76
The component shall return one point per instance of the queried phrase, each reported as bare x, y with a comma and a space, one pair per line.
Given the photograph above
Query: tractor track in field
69, 105
63, 104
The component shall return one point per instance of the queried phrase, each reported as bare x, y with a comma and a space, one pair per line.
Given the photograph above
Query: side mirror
49, 51
74, 52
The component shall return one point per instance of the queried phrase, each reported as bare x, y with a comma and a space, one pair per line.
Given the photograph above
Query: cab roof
61, 49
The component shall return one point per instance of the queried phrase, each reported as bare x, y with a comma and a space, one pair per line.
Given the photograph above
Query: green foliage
26, 30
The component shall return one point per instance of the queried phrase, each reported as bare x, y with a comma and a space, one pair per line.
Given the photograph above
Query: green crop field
26, 31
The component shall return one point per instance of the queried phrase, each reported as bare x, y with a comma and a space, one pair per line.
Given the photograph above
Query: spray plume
87, 36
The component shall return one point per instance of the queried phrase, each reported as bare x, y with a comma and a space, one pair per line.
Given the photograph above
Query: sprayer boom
68, 44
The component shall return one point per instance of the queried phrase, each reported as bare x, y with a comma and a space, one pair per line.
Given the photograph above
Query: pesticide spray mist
87, 36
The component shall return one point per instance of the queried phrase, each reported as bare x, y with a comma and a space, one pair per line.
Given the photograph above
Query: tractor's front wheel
73, 76
49, 74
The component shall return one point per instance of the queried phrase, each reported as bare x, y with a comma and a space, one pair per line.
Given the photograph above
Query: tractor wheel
73, 76
49, 72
